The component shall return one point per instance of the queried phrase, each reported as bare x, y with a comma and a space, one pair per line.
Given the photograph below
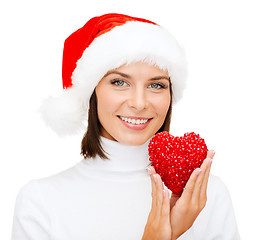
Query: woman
126, 72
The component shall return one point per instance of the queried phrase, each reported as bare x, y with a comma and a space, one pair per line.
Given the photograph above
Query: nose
138, 99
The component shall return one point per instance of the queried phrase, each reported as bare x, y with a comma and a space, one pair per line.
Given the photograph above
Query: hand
186, 208
158, 225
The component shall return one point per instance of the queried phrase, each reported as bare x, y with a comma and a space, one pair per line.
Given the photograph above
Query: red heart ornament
175, 158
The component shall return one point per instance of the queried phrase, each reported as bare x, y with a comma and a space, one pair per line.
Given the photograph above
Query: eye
157, 85
119, 82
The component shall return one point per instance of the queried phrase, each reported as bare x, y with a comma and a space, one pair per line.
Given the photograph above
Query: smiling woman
135, 92
123, 74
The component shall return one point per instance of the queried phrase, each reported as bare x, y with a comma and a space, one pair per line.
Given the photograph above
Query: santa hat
104, 43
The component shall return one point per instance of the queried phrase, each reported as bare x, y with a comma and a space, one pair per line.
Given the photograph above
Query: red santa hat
104, 43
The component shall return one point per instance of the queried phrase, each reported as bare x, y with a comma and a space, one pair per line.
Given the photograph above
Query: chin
133, 141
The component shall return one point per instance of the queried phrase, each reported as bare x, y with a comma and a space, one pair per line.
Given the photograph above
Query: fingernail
199, 170
210, 162
155, 178
149, 170
213, 154
164, 193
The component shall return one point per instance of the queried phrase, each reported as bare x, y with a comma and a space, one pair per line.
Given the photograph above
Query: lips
135, 123
134, 120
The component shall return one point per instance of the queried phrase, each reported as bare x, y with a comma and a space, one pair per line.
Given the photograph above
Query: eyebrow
160, 77
129, 77
116, 72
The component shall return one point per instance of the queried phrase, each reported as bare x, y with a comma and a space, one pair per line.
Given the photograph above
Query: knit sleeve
31, 220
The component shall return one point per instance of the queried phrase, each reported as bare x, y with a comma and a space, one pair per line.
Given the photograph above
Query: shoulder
51, 185
217, 183
36, 203
28, 191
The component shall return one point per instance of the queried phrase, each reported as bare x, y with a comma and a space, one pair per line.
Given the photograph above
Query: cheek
161, 105
107, 104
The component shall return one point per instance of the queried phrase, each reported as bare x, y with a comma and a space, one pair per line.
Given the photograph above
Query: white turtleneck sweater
109, 200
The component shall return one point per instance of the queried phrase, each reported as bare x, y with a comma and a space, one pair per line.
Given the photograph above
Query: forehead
139, 69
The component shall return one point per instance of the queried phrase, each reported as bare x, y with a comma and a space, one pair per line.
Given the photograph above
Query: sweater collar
123, 159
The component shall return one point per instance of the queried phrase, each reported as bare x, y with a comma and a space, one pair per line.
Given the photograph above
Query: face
132, 102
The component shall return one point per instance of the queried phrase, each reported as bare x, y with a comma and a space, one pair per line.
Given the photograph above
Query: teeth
134, 121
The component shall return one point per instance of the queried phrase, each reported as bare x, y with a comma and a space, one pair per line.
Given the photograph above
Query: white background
220, 41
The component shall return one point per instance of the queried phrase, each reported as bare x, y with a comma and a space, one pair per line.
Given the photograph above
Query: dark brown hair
90, 145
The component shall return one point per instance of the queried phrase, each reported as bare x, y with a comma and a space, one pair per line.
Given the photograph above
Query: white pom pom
64, 114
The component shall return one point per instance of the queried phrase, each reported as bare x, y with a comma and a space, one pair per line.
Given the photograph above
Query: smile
137, 121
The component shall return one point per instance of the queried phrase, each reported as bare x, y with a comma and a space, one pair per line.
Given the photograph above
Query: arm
31, 220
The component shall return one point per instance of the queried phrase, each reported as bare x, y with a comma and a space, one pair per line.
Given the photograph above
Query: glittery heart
175, 158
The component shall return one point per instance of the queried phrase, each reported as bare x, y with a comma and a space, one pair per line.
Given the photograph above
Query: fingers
152, 172
165, 212
157, 193
190, 186
198, 181
199, 194
158, 223
160, 197
207, 174
159, 190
